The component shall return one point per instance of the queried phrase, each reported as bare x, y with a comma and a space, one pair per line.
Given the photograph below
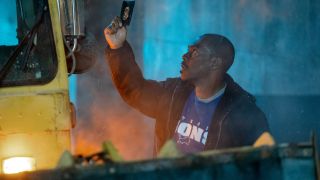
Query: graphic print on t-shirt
187, 131
192, 129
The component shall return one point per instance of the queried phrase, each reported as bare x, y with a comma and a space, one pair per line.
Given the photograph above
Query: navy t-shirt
192, 129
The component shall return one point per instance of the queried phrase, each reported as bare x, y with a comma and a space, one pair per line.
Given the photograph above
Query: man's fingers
112, 28
107, 30
120, 24
118, 21
115, 25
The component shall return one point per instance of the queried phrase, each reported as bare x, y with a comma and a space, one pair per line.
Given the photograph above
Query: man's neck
208, 87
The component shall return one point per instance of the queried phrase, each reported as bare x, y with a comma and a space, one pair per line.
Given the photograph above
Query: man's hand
115, 33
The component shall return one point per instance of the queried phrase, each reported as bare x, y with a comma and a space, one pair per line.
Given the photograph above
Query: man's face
196, 63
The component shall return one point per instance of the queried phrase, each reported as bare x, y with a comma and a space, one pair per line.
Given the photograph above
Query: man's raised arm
141, 94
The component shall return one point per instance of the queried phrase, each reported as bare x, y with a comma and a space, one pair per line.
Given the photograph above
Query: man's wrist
115, 50
116, 46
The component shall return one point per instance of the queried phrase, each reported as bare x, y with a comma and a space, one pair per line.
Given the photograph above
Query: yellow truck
36, 114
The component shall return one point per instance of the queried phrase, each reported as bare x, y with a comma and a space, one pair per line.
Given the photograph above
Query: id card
126, 12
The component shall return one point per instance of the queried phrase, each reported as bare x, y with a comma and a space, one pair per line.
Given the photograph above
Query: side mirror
80, 51
72, 18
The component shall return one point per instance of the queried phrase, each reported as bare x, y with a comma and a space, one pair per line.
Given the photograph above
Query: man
203, 109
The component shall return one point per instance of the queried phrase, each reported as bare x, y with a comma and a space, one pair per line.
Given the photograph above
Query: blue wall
277, 42
277, 52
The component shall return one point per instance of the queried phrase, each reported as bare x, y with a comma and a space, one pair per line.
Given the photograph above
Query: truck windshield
27, 51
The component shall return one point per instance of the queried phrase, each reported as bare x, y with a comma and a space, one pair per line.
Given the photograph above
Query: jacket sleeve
138, 92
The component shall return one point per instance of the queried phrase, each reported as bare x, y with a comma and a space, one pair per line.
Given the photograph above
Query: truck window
27, 51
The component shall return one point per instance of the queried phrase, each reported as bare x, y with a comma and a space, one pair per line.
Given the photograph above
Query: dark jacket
236, 122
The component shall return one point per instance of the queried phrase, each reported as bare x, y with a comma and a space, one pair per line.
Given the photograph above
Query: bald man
202, 110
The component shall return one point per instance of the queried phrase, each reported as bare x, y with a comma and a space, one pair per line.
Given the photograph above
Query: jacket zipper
220, 129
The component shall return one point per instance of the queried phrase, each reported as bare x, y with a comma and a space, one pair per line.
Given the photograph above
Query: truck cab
36, 115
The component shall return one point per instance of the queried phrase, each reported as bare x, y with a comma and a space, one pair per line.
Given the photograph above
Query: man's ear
215, 63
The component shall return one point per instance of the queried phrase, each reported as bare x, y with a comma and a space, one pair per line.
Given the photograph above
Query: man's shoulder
236, 92
242, 102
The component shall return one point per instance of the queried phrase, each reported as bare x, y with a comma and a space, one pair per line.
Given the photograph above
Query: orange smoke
130, 133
